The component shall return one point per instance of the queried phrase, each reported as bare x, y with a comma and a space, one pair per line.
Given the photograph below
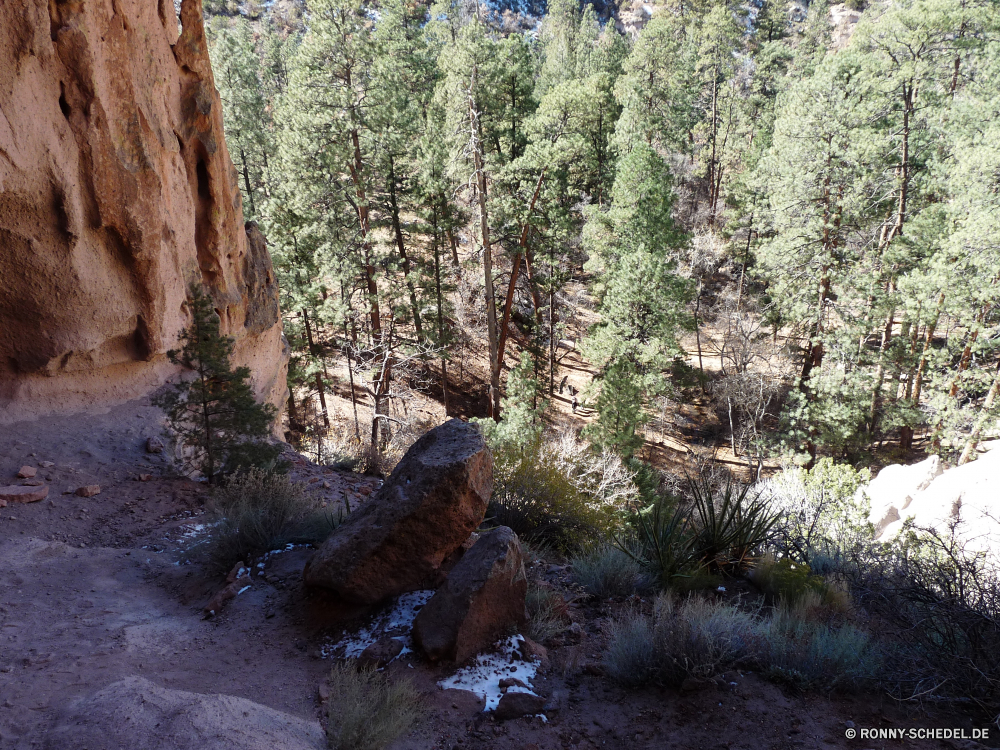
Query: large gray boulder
135, 714
397, 541
482, 600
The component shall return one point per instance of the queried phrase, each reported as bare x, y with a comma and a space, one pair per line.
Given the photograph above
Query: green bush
732, 525
661, 542
534, 496
256, 512
606, 571
718, 532
785, 580
366, 710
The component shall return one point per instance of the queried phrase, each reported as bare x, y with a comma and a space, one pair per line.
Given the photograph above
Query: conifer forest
785, 213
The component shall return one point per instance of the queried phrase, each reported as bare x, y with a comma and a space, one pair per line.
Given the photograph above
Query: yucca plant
662, 541
730, 527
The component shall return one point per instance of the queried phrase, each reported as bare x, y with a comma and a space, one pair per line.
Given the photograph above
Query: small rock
365, 489
239, 571
326, 485
154, 445
516, 705
509, 682
222, 598
46, 464
555, 703
32, 483
145, 477
380, 653
596, 670
20, 494
88, 490
27, 472
531, 651
324, 692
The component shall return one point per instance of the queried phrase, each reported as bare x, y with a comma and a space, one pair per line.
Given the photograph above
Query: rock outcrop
116, 192
482, 599
136, 714
936, 498
398, 540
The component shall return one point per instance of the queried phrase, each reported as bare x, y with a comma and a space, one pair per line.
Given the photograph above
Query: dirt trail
94, 590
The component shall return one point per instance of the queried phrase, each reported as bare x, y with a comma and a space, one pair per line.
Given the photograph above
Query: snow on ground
395, 622
484, 675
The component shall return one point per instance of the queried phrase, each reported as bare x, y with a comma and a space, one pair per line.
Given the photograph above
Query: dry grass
367, 710
257, 512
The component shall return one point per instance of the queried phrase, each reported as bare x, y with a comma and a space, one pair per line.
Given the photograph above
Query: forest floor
97, 589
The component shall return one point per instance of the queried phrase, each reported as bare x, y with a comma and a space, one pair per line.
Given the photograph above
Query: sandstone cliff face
116, 191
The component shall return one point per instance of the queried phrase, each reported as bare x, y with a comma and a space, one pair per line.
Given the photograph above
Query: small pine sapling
215, 414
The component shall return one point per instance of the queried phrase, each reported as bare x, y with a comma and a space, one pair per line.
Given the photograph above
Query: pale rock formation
935, 498
116, 192
970, 494
136, 714
844, 21
892, 490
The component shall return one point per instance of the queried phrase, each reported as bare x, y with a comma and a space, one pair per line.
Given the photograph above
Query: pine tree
215, 415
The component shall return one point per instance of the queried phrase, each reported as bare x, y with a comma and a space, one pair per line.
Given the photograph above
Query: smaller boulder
26, 472
154, 445
380, 653
23, 494
531, 651
514, 705
88, 490
482, 599
509, 682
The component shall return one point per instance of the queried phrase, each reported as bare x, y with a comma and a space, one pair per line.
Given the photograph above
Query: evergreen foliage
215, 417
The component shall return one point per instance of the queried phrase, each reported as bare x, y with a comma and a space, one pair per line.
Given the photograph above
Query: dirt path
94, 590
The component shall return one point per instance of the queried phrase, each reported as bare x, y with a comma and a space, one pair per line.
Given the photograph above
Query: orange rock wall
116, 191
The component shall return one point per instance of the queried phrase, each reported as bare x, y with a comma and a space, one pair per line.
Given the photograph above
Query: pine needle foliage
215, 415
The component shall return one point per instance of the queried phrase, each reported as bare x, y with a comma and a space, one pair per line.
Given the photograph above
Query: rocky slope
116, 192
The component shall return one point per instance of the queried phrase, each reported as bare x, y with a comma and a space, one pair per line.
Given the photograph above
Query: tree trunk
246, 182
435, 240
514, 271
493, 408
313, 350
984, 418
922, 365
356, 170
398, 232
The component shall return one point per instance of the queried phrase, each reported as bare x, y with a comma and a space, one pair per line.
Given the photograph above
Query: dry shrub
938, 607
257, 512
547, 613
697, 637
606, 571
367, 710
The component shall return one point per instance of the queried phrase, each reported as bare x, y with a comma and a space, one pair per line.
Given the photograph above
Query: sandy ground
93, 590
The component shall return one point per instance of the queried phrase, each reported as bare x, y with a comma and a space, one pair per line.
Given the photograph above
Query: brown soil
98, 589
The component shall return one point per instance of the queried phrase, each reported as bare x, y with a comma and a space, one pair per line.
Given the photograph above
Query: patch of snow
242, 590
395, 622
484, 675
